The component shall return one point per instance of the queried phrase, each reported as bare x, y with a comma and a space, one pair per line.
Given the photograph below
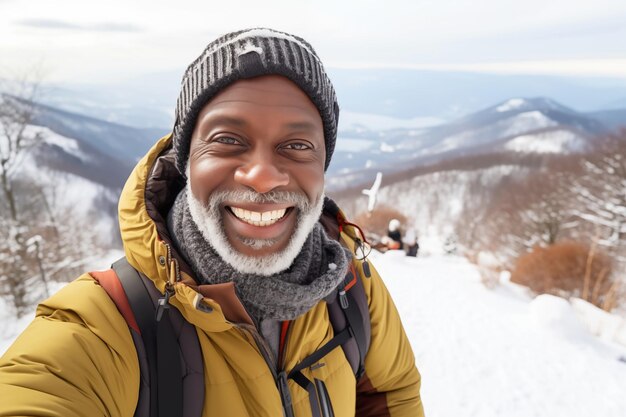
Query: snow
530, 120
436, 200
606, 326
72, 192
10, 327
68, 145
497, 352
514, 125
484, 352
520, 104
512, 104
556, 141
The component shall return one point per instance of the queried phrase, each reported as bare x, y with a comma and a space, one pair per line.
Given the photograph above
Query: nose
261, 174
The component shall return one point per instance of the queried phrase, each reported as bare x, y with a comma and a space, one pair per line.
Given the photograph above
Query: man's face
256, 172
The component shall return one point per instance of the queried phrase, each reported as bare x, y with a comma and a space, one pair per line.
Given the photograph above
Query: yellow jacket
77, 358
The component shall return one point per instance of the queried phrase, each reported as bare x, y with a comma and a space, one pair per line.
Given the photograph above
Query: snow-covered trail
490, 353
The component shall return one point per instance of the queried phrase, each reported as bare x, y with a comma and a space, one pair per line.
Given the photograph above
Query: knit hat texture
247, 54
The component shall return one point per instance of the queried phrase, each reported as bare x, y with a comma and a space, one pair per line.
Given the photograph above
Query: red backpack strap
110, 282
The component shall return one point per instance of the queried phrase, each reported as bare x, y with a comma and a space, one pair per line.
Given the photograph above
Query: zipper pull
366, 269
343, 299
164, 302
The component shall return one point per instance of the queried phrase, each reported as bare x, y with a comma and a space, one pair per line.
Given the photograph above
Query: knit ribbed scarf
317, 270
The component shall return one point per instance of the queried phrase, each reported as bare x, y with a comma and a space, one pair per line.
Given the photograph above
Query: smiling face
256, 173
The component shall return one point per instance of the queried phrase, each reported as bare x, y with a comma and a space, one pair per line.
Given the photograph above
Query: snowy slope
69, 177
498, 353
433, 202
488, 353
549, 141
10, 327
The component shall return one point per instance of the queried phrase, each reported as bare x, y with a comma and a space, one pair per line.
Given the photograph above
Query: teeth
259, 219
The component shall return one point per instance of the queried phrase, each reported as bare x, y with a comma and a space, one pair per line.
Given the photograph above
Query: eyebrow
235, 121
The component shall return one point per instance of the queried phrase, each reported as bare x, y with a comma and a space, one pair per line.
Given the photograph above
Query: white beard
208, 218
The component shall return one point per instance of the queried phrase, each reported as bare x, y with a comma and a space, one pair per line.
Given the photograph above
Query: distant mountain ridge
527, 125
119, 141
83, 161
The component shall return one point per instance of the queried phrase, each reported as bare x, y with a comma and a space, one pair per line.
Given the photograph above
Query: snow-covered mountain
81, 163
120, 142
522, 125
76, 179
435, 175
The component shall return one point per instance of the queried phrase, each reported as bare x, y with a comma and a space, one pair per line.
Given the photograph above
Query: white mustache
299, 200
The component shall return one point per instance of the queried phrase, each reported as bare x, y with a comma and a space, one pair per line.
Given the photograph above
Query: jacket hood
144, 203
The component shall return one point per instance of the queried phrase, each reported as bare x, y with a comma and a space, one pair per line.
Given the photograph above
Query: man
222, 217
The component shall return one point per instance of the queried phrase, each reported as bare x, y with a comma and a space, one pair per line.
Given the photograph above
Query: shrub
568, 269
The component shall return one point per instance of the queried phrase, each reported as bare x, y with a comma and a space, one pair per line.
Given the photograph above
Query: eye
297, 146
227, 140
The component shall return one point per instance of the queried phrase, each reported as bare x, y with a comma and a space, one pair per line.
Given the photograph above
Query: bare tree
17, 138
523, 214
17, 112
43, 239
602, 196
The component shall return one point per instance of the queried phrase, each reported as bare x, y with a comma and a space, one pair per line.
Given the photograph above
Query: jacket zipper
280, 377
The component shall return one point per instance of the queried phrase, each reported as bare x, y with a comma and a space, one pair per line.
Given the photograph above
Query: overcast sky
78, 40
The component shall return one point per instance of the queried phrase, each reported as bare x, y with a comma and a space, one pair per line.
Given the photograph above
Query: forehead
271, 92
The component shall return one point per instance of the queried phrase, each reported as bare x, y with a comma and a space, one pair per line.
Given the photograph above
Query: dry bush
377, 221
568, 269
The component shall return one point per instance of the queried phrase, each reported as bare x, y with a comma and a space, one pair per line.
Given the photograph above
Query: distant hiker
394, 236
412, 245
244, 291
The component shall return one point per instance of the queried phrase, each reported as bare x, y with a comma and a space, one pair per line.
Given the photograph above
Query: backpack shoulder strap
349, 315
350, 310
162, 352
350, 307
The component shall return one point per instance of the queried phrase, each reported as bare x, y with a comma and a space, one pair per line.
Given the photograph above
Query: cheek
205, 177
311, 181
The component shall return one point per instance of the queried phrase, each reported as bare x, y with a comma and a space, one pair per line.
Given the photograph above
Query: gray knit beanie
247, 54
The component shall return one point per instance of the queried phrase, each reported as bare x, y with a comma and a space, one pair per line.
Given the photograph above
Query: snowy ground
497, 352
10, 328
487, 352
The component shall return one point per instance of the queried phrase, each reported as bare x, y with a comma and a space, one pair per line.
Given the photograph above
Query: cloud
64, 25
